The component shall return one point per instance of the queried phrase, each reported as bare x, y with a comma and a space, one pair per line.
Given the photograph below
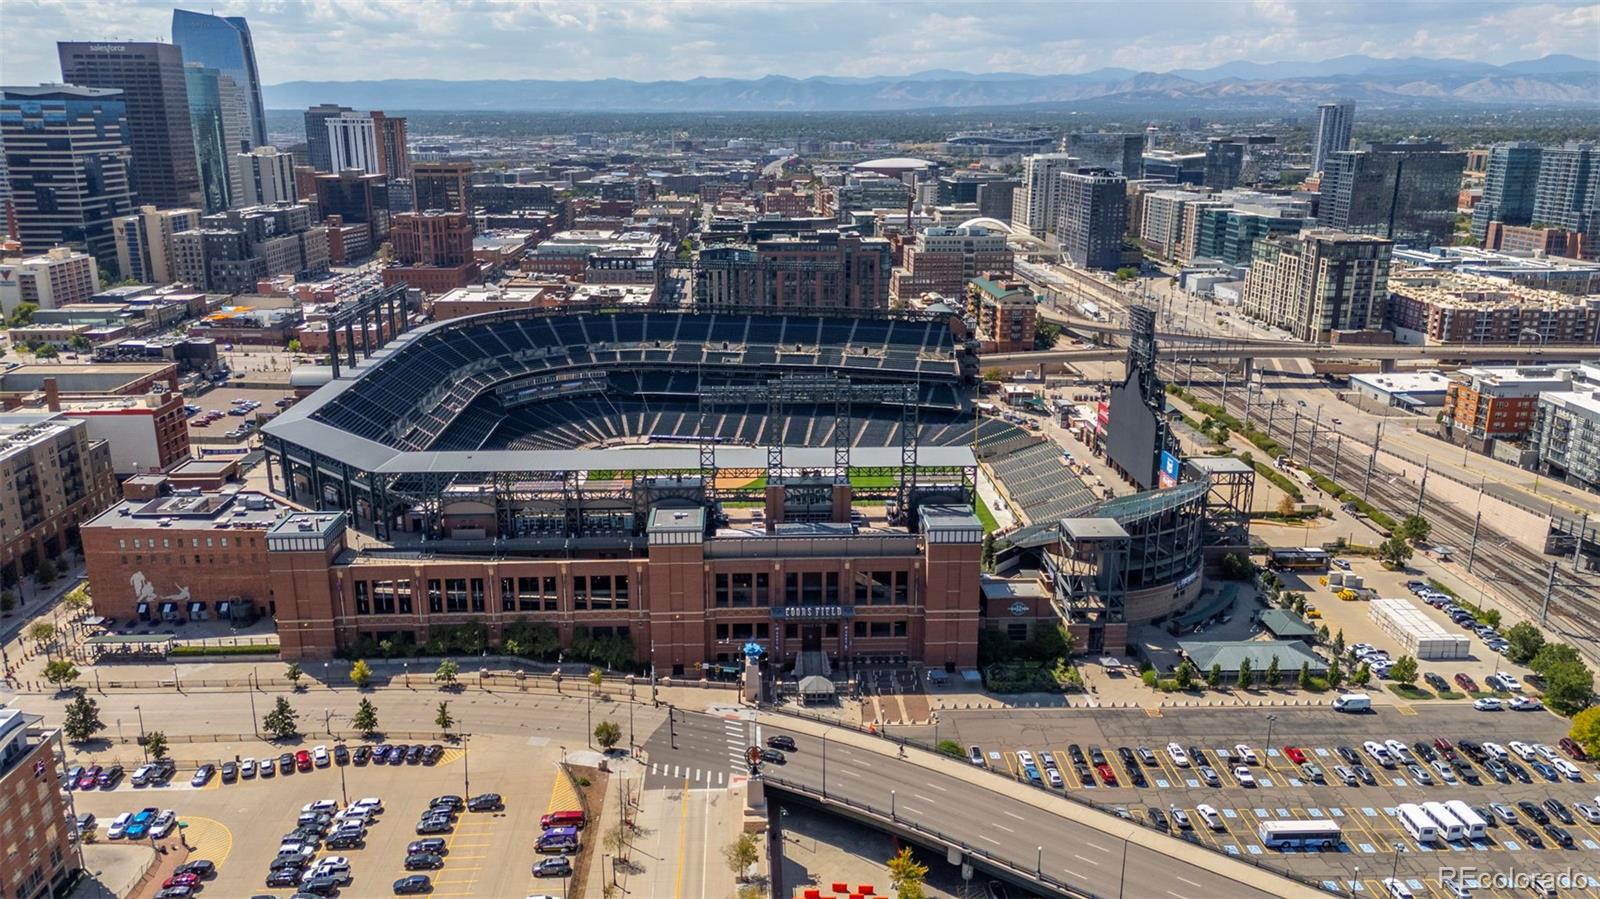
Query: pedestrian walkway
207, 838
707, 777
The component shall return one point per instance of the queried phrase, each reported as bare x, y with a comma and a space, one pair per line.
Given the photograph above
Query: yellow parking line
1011, 763
1114, 759
1068, 774
457, 858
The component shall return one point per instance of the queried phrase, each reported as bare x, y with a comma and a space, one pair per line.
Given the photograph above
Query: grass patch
229, 650
1027, 676
1451, 694
871, 481
1409, 692
986, 517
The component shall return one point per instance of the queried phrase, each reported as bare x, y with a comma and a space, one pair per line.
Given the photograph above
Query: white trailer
1476, 827
1450, 827
1418, 635
1417, 823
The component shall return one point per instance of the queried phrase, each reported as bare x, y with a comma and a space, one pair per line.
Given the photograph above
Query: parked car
362, 755
560, 866
414, 883
424, 861
320, 757
302, 760
202, 775
486, 802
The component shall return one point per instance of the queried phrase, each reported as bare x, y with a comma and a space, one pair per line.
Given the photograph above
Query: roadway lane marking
852, 773
988, 838
943, 790
683, 841
863, 764
1091, 845
1012, 814
1089, 860
913, 811
1072, 873
1005, 828
1189, 882
925, 799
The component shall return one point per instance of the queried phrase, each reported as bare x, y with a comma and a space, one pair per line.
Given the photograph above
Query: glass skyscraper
211, 148
224, 43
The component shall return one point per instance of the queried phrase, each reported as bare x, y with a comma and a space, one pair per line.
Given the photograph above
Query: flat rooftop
194, 511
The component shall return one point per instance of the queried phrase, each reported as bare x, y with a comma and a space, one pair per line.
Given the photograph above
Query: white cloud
672, 39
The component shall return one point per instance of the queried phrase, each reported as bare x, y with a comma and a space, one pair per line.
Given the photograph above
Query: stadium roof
894, 162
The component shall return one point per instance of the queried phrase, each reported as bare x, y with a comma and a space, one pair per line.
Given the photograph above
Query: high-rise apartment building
67, 152
1119, 152
1224, 163
224, 43
1407, 193
442, 186
154, 91
359, 199
432, 238
144, 242
231, 251
1093, 217
394, 153
1510, 182
266, 177
1334, 124
53, 476
1567, 195
1316, 282
216, 107
1034, 204
353, 142
49, 281
319, 152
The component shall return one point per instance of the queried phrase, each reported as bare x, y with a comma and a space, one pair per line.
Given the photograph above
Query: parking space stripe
1068, 774
1011, 763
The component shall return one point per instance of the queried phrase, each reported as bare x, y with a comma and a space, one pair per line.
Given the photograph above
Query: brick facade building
37, 858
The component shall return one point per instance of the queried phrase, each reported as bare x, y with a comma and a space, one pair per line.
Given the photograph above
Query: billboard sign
1168, 475
1102, 415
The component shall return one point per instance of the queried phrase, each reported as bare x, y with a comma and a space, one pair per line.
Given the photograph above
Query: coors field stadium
692, 482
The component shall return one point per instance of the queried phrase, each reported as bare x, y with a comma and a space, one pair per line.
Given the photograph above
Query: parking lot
212, 421
1282, 791
239, 825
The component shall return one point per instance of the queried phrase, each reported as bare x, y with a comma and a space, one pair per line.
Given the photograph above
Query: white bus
1450, 827
1417, 823
1476, 827
1318, 833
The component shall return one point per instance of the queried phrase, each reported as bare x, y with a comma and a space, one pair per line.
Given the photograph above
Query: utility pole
1422, 488
1294, 433
1372, 460
1338, 444
1549, 587
1577, 544
1312, 442
1224, 392
1472, 548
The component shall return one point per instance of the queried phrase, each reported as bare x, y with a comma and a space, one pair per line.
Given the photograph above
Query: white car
1024, 757
295, 849
163, 824
1244, 777
1548, 751
1487, 704
1454, 890
1246, 754
1209, 816
1397, 889
247, 768
1523, 750
1379, 753
362, 815
319, 756
118, 826
371, 802
1054, 776
1504, 681
1568, 770
1398, 749
1178, 756
1525, 704
321, 805
1180, 818
1589, 812
1496, 751
1445, 772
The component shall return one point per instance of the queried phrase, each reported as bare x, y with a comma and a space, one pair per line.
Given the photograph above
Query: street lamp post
1395, 871
141, 733
466, 769
1038, 864
1122, 879
891, 806
1270, 720
825, 762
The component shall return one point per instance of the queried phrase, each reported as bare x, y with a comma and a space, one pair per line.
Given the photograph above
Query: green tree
1586, 730
46, 351
1322, 634
1362, 675
993, 375
1184, 675
1273, 674
1286, 506
1568, 687
361, 674
60, 672
77, 600
1127, 273
447, 674
1246, 676
280, 722
41, 632
607, 733
292, 673
906, 875
1396, 552
1214, 676
1526, 641
1335, 674
1414, 529
81, 720
597, 679
155, 743
8, 601
1552, 654
443, 721
22, 315
46, 572
1404, 670
294, 345
1338, 642
365, 719
986, 558
741, 854
1305, 675
1490, 617
950, 748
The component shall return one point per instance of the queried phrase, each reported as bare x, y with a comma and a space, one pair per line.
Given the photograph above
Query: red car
302, 760
1295, 754
89, 778
181, 880
1466, 683
1106, 774
1446, 748
1571, 747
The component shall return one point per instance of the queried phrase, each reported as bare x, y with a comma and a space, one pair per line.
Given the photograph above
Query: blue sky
673, 39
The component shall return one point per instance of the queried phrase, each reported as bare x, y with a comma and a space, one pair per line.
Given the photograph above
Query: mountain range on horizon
1554, 79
